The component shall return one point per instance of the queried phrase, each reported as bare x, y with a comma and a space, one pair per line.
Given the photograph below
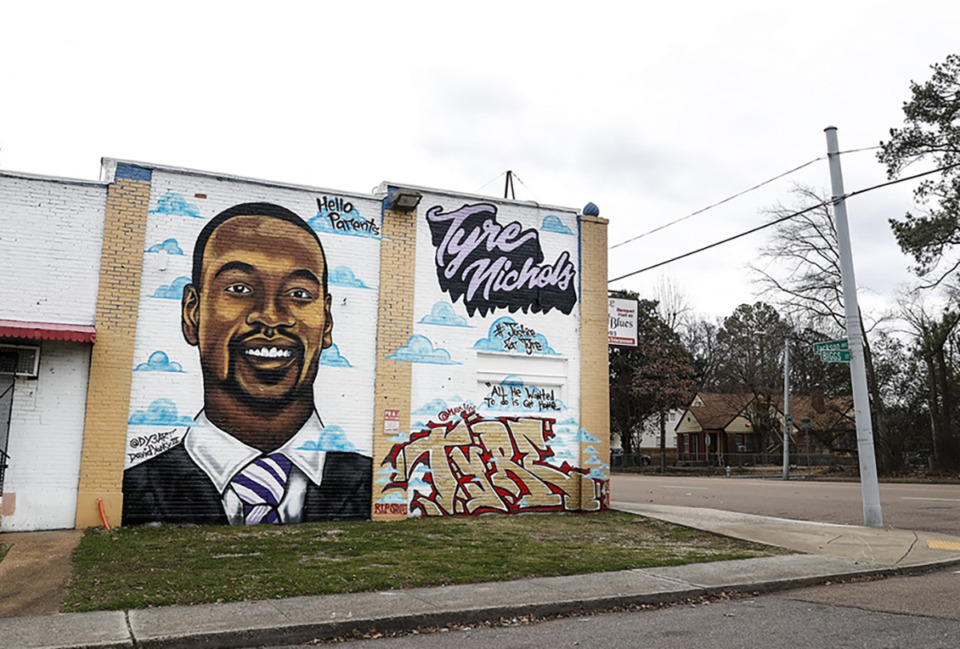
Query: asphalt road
901, 612
927, 507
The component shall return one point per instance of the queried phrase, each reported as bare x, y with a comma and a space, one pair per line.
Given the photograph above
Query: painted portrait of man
258, 311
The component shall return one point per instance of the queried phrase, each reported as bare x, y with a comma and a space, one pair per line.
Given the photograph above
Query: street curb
300, 633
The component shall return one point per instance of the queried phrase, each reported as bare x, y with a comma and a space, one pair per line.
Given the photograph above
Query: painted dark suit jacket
171, 488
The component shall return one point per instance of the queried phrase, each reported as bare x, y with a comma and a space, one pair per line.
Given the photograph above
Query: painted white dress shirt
221, 456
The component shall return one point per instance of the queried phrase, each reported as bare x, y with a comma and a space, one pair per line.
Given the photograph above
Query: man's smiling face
259, 315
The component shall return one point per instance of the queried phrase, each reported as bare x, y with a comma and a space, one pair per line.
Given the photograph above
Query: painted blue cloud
395, 497
552, 223
569, 421
598, 474
170, 246
162, 412
584, 436
508, 335
431, 408
332, 438
419, 349
591, 449
562, 454
343, 276
349, 224
443, 315
331, 357
158, 362
176, 205
172, 291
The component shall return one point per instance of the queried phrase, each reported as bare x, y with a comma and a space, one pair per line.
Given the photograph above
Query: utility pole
787, 424
872, 514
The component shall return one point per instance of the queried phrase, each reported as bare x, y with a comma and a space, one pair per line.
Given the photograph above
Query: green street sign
835, 355
831, 345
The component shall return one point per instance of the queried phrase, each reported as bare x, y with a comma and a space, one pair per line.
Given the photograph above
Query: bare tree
801, 269
673, 306
800, 273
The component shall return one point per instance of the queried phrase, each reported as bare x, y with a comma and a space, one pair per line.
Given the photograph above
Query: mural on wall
512, 394
508, 335
258, 311
493, 266
340, 216
442, 315
553, 223
473, 465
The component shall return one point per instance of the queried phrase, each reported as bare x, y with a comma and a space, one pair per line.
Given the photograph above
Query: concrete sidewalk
835, 552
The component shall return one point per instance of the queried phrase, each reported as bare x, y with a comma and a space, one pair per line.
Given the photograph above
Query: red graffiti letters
476, 465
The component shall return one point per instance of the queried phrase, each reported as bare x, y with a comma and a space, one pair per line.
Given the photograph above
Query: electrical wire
719, 243
738, 195
497, 177
718, 203
781, 220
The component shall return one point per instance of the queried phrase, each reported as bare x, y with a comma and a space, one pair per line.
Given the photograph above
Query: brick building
167, 335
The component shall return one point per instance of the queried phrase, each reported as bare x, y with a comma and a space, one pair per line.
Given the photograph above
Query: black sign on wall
494, 266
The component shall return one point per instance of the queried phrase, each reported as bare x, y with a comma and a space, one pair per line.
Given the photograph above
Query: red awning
47, 331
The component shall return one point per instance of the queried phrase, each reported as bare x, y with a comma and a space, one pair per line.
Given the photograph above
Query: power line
718, 243
780, 220
479, 189
737, 195
717, 204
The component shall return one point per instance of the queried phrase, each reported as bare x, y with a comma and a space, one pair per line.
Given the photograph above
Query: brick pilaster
395, 326
108, 391
594, 361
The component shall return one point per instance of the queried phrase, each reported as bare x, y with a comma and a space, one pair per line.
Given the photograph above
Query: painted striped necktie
260, 486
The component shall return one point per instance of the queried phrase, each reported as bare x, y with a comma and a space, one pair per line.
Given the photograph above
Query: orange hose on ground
103, 516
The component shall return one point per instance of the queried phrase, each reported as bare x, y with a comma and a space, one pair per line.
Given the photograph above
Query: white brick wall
50, 239
467, 382
46, 433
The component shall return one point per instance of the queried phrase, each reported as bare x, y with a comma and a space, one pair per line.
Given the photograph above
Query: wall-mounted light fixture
402, 200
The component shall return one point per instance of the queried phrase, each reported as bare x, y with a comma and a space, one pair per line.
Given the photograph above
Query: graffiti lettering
494, 266
149, 445
516, 335
338, 210
464, 410
476, 465
529, 397
390, 509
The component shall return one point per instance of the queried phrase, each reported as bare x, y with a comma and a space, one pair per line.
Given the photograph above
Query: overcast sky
650, 110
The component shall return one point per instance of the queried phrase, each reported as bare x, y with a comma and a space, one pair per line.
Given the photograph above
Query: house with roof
719, 429
713, 426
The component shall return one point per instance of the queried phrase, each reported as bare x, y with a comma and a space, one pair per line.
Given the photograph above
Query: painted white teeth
269, 352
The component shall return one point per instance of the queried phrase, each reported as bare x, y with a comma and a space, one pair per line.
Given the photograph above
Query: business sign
623, 322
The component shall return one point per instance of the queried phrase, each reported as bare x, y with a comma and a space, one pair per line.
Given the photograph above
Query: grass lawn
3, 550
139, 567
